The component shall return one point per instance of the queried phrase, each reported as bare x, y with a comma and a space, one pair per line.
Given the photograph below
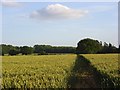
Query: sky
58, 23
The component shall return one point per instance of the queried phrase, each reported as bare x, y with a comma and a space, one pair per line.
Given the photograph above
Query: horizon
60, 45
59, 23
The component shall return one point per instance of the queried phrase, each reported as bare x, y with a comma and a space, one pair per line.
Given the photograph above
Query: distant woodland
84, 46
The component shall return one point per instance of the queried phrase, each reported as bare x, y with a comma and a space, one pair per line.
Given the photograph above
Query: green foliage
51, 49
108, 48
88, 46
25, 50
42, 48
1, 50
6, 48
119, 49
13, 52
85, 46
42, 53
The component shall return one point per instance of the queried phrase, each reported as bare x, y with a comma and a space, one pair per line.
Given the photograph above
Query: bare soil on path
83, 75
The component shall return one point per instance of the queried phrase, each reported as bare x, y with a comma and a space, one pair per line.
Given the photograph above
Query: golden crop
52, 71
49, 71
107, 65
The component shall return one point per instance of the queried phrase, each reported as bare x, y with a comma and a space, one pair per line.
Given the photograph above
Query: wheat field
54, 71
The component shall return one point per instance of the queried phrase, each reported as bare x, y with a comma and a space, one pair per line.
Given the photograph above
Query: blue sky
62, 24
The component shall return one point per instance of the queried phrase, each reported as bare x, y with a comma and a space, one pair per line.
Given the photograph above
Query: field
49, 71
60, 71
107, 65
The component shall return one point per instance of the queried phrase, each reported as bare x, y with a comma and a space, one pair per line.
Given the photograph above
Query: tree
42, 48
13, 52
53, 49
25, 50
88, 46
112, 49
42, 53
6, 48
119, 49
1, 50
109, 48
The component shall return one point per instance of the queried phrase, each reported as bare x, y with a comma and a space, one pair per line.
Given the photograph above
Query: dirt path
82, 75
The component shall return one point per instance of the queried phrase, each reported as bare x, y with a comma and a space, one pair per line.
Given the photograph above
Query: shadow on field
84, 75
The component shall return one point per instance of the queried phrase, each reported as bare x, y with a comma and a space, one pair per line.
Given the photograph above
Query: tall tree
88, 45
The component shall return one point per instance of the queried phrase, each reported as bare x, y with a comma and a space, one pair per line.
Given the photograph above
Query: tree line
90, 46
84, 46
37, 49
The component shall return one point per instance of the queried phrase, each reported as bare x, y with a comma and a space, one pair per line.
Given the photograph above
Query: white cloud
10, 3
57, 11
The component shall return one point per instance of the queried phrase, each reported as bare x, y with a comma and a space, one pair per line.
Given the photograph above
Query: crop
59, 71
108, 66
46, 71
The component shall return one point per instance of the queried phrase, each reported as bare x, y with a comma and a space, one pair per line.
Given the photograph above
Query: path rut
83, 75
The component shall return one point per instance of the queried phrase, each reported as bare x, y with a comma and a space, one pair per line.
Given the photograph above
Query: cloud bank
57, 11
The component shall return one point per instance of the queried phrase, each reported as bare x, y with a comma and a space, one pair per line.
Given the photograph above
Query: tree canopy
25, 50
13, 52
88, 46
84, 46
